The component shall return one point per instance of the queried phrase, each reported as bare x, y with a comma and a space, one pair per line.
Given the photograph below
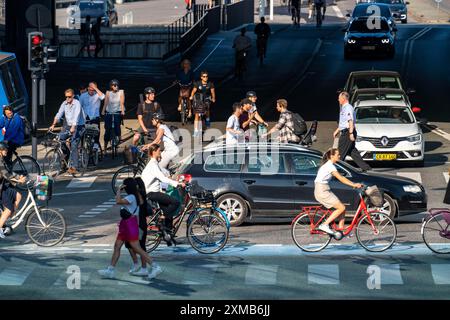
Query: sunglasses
114, 85
69, 97
204, 76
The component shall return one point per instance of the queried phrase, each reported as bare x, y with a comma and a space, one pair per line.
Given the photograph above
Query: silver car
103, 9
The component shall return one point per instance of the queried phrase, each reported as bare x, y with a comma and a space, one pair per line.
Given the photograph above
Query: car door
347, 195
267, 183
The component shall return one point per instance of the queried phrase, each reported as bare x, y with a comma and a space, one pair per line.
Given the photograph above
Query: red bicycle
375, 231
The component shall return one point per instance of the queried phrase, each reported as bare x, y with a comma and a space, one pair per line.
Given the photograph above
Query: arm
345, 181
336, 132
350, 130
213, 95
194, 90
161, 177
122, 103
141, 123
247, 123
259, 118
105, 103
57, 117
159, 136
100, 94
119, 199
77, 115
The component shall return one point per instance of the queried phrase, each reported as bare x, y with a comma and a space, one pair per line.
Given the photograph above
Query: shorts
8, 199
128, 229
323, 194
142, 239
148, 138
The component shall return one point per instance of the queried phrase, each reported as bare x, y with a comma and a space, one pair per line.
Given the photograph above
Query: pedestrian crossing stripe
261, 275
82, 182
412, 175
390, 274
207, 272
323, 274
446, 177
15, 276
441, 274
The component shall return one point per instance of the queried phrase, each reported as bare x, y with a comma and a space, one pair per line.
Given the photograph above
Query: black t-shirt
262, 30
146, 110
295, 3
243, 118
203, 90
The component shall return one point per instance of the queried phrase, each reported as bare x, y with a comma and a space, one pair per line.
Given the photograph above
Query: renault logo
384, 141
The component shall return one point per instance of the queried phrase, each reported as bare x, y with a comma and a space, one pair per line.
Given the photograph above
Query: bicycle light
185, 177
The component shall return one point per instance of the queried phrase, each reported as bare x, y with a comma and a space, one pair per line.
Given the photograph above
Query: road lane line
99, 209
412, 175
446, 176
62, 280
441, 273
390, 274
91, 212
261, 275
337, 11
200, 275
15, 276
96, 245
326, 274
77, 192
83, 182
83, 216
439, 132
105, 206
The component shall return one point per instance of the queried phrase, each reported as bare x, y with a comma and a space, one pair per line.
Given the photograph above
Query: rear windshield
362, 26
372, 9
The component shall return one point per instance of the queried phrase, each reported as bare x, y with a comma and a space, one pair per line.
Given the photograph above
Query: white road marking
96, 245
91, 212
110, 203
261, 275
337, 11
99, 209
412, 175
441, 273
446, 176
439, 132
77, 192
390, 274
327, 274
15, 276
83, 216
104, 206
200, 275
62, 280
83, 182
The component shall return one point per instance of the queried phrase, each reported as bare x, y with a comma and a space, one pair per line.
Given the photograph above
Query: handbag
125, 214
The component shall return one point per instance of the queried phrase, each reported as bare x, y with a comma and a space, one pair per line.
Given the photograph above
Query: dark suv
273, 181
398, 9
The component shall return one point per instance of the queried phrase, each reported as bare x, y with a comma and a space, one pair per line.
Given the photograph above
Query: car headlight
412, 189
352, 41
385, 40
414, 138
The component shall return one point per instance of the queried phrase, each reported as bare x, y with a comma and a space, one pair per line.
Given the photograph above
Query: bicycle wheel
307, 239
26, 166
376, 236
52, 163
207, 232
94, 157
51, 232
129, 171
154, 237
436, 233
83, 160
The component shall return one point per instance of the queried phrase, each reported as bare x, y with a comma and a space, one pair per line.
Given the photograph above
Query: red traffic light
36, 40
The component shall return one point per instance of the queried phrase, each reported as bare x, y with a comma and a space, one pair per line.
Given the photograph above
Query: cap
158, 116
149, 90
251, 94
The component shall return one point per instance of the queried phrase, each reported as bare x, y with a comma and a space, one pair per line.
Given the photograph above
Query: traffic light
36, 54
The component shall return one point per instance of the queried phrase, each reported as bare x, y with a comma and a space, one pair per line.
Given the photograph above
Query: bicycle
114, 140
130, 170
55, 162
375, 231
91, 133
185, 103
25, 166
207, 227
436, 230
45, 227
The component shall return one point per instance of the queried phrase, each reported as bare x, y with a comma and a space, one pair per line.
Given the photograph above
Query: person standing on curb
96, 33
348, 133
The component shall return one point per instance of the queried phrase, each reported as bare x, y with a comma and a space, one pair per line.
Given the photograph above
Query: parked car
273, 181
375, 79
369, 10
398, 8
363, 38
388, 130
379, 94
93, 8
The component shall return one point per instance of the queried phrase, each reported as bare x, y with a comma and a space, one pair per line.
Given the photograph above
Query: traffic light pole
34, 112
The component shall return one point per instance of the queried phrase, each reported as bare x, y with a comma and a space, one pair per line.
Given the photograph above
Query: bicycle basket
375, 196
44, 187
199, 194
92, 130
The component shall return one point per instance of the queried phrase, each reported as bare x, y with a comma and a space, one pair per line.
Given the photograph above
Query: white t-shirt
324, 175
233, 123
132, 206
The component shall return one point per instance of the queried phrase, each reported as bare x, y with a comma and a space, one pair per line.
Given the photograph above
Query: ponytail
327, 155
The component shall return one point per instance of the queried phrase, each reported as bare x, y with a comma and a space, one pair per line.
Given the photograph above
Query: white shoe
107, 273
134, 268
2, 234
155, 271
140, 273
325, 228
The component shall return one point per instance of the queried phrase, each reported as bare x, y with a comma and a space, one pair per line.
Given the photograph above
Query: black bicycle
91, 134
113, 138
25, 166
185, 111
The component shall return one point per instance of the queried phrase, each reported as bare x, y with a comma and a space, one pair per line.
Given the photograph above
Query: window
305, 164
224, 162
266, 163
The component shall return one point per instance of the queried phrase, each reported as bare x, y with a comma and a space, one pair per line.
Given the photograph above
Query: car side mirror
410, 91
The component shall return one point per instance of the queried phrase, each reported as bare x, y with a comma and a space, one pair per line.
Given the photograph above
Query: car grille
368, 41
377, 142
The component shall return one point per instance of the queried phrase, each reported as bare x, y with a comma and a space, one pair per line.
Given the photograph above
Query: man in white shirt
152, 176
90, 102
234, 134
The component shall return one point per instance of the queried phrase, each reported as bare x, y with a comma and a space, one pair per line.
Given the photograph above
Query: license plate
385, 156
368, 47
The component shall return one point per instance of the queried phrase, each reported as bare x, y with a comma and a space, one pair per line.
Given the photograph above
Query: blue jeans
74, 142
109, 118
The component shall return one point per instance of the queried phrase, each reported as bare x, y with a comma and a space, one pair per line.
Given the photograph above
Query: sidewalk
425, 11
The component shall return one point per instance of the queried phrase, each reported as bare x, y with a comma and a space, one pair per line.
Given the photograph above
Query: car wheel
389, 207
234, 207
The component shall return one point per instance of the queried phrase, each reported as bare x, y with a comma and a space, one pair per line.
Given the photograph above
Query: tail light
416, 109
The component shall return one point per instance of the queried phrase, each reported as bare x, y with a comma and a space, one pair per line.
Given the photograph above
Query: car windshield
384, 115
379, 96
369, 10
368, 82
389, 1
361, 26
93, 9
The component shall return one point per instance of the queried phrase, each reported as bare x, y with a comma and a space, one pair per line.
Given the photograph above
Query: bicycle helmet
3, 145
149, 90
158, 116
114, 81
251, 94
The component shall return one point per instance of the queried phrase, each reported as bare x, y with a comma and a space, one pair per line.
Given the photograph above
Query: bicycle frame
360, 212
30, 203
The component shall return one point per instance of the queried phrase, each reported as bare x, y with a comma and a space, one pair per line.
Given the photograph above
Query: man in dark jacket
11, 125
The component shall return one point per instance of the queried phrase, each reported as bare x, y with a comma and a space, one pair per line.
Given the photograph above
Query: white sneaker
134, 268
107, 273
142, 272
2, 234
155, 271
325, 228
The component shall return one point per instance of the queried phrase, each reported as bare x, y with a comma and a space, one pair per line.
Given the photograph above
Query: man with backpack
290, 125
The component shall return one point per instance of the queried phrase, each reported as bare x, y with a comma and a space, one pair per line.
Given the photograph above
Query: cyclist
90, 102
241, 44
163, 134
185, 79
11, 125
152, 176
145, 113
114, 107
320, 5
74, 126
262, 31
249, 117
294, 6
322, 191
204, 94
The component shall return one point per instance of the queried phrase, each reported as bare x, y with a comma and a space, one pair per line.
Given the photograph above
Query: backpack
300, 127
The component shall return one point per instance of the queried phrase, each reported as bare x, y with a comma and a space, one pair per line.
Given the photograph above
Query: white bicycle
45, 227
